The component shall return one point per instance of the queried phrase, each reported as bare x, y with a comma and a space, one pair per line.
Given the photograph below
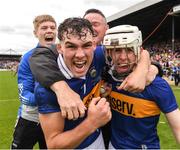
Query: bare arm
152, 72
174, 122
53, 125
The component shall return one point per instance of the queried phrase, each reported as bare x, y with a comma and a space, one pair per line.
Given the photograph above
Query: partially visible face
99, 25
46, 33
124, 59
77, 53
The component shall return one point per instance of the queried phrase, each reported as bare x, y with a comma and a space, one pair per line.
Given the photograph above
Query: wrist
89, 125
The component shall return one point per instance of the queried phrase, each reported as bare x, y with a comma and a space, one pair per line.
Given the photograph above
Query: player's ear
107, 26
34, 31
58, 47
94, 45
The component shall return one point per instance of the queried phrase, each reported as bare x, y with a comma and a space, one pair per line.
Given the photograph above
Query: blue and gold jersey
87, 89
135, 115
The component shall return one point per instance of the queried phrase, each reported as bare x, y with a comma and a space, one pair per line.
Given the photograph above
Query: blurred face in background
99, 25
46, 33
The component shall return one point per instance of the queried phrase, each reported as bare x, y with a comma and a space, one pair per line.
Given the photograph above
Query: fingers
63, 112
129, 85
95, 101
73, 111
82, 109
123, 85
101, 102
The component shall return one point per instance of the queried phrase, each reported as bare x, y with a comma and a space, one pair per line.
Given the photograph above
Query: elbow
57, 145
51, 145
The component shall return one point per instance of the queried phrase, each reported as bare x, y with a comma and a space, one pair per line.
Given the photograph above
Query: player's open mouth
80, 64
49, 38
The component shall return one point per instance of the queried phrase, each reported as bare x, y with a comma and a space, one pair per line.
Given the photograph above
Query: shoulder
160, 82
46, 99
27, 54
25, 58
159, 85
46, 50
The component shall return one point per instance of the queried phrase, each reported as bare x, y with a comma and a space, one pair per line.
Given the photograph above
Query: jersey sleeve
46, 100
164, 96
26, 82
44, 66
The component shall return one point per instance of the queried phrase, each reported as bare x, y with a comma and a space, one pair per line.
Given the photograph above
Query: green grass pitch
9, 104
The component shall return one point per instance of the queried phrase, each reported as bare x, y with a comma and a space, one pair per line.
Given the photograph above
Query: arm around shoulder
44, 67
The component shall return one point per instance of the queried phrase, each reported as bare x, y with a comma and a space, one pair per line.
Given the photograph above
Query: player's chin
122, 69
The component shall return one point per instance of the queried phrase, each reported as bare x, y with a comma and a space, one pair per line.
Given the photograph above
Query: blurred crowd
169, 59
9, 65
160, 52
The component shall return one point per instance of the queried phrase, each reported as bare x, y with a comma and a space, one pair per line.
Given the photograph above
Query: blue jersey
135, 115
86, 88
26, 84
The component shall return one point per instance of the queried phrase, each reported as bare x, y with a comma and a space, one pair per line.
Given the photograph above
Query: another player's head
45, 29
76, 45
99, 23
123, 44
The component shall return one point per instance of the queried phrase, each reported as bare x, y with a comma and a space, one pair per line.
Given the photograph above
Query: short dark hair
93, 10
76, 26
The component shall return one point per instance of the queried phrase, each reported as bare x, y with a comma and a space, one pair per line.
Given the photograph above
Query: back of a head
42, 18
74, 26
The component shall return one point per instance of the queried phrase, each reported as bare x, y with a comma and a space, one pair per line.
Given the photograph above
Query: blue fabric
132, 132
47, 101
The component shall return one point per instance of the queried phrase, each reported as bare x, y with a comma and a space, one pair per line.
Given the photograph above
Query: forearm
59, 86
143, 63
72, 138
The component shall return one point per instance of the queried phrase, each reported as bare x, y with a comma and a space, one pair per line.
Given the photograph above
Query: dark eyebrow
90, 42
69, 43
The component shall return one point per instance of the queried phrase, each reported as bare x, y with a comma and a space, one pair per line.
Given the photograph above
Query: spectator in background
28, 130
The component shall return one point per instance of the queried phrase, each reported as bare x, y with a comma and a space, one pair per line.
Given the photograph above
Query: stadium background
161, 34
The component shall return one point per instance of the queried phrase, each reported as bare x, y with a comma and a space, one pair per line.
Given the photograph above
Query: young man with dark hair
77, 56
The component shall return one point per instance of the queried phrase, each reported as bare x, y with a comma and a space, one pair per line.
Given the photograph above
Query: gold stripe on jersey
133, 106
95, 92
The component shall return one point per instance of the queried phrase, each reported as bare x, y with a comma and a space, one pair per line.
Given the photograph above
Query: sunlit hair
96, 11
42, 18
74, 26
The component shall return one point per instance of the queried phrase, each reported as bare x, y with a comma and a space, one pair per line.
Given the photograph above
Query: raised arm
44, 67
